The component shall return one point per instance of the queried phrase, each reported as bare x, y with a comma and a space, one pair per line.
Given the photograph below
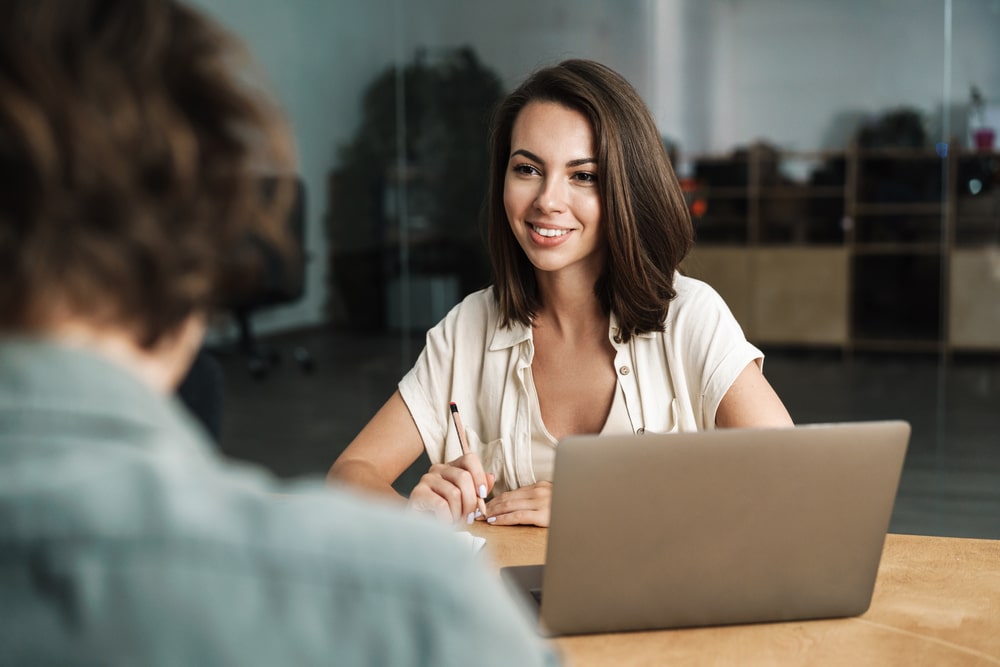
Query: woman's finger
526, 505
423, 499
481, 481
448, 491
539, 517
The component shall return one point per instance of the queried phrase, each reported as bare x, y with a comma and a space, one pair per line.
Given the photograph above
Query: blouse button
623, 370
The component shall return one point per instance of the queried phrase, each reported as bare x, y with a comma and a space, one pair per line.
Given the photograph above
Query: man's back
125, 540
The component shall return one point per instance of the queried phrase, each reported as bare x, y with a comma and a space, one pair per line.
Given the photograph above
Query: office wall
317, 65
517, 36
804, 74
321, 54
716, 72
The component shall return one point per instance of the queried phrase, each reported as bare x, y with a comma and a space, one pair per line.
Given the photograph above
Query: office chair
279, 279
202, 391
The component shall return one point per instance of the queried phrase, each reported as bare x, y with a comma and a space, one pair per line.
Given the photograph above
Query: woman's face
550, 189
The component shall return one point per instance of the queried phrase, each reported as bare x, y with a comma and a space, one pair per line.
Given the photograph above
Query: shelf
800, 246
977, 216
885, 209
803, 192
897, 248
903, 345
901, 229
993, 219
709, 220
890, 153
721, 193
975, 285
815, 280
880, 249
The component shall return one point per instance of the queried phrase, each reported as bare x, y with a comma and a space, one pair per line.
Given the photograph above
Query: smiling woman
648, 231
588, 327
550, 194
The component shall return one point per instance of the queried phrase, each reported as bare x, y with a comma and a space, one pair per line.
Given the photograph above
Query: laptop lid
718, 527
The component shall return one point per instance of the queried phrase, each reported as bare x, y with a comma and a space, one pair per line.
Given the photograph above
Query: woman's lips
548, 236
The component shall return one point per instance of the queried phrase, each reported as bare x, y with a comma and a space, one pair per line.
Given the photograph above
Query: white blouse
670, 380
543, 443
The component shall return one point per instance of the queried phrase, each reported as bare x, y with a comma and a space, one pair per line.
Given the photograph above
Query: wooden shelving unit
863, 249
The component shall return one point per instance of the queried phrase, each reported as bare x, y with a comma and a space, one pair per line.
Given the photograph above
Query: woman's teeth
550, 233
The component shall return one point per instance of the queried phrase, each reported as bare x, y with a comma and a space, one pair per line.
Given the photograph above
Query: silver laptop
715, 527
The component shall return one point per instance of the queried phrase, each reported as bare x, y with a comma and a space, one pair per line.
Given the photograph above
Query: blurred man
127, 134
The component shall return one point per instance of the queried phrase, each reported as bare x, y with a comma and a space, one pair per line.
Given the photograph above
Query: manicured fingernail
479, 512
471, 517
482, 491
492, 519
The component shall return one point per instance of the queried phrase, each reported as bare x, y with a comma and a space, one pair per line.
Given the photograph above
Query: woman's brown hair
129, 135
647, 226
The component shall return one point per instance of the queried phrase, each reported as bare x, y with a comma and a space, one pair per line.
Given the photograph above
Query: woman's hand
451, 490
526, 505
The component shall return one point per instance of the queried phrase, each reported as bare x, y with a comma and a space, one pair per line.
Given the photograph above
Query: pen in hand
465, 450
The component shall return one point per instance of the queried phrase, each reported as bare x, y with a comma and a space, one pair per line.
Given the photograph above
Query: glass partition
840, 160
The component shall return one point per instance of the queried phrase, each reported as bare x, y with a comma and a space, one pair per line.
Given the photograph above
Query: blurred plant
898, 128
447, 100
447, 106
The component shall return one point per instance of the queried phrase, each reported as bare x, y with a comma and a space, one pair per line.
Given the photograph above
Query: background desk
936, 602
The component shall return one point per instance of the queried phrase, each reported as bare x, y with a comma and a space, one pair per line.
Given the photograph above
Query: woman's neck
570, 307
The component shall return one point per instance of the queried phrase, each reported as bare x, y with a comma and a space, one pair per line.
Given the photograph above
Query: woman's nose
551, 197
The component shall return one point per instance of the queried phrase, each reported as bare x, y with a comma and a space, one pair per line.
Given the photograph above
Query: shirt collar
38, 373
614, 329
516, 333
508, 336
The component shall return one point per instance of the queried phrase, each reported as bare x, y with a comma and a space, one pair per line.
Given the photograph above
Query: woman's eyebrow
572, 163
528, 154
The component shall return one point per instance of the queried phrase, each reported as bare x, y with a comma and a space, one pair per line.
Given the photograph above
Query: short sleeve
713, 345
426, 387
448, 368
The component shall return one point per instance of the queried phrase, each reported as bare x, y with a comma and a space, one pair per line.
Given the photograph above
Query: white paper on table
474, 543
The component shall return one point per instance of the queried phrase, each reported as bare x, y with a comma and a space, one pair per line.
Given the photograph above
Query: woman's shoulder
698, 310
480, 305
483, 299
693, 293
477, 311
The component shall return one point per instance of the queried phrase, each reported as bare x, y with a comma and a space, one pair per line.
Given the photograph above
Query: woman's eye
524, 169
585, 176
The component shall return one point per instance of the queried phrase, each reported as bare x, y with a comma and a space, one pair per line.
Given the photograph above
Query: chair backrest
277, 277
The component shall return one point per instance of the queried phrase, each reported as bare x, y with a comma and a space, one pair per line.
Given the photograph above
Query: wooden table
936, 602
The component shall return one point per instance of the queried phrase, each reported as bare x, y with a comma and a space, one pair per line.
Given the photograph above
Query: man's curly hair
130, 131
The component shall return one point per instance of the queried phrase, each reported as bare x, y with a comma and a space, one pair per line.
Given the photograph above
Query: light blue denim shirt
125, 540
